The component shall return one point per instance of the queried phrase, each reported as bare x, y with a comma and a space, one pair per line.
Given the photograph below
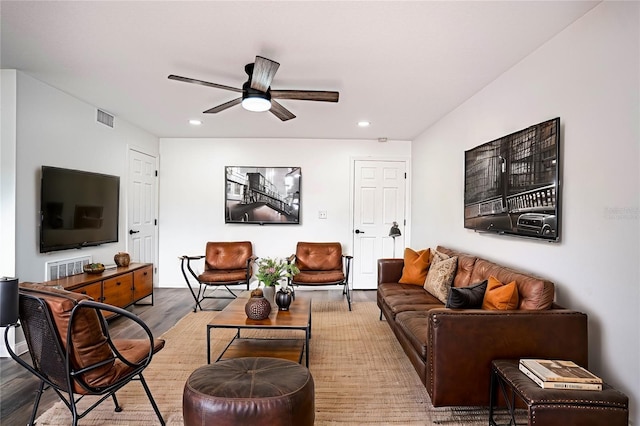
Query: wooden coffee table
298, 317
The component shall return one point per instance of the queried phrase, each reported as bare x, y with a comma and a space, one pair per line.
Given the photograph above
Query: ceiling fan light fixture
256, 103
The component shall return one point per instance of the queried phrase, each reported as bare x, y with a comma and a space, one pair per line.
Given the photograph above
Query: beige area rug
360, 371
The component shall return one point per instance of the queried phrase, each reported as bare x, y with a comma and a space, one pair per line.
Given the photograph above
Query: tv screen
262, 195
512, 184
77, 209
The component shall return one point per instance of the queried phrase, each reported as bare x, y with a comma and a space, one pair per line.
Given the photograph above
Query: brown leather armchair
225, 264
72, 352
321, 264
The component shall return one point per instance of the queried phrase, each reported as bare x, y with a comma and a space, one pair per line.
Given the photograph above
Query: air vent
65, 267
105, 118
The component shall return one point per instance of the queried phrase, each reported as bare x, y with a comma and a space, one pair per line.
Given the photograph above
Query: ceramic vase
122, 259
257, 308
269, 292
283, 299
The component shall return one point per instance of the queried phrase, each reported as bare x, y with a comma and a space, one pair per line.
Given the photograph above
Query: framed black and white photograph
262, 195
512, 184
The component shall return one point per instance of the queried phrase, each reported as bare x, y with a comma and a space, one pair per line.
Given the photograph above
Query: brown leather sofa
452, 349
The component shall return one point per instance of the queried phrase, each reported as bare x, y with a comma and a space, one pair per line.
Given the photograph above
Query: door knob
359, 231
131, 232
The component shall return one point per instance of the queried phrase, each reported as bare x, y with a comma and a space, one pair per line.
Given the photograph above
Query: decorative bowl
93, 268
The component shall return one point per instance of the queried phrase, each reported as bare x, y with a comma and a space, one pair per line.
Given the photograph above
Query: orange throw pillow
416, 266
499, 296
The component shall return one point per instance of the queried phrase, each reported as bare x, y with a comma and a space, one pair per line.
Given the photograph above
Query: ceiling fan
257, 94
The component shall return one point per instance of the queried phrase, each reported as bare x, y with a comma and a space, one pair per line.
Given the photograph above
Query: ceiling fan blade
223, 106
263, 71
306, 95
203, 83
281, 112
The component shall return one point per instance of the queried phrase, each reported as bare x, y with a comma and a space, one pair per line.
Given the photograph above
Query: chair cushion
319, 256
215, 276
227, 255
133, 350
89, 344
319, 277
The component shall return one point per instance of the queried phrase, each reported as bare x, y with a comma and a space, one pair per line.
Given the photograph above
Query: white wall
8, 173
588, 76
56, 129
192, 193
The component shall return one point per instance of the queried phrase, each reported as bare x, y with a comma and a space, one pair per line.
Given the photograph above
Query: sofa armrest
390, 270
462, 344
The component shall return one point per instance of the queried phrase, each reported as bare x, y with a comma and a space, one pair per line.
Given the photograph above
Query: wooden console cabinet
121, 286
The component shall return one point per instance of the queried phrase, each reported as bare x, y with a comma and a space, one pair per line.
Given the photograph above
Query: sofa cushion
534, 293
469, 297
466, 263
499, 296
440, 277
414, 325
416, 265
411, 302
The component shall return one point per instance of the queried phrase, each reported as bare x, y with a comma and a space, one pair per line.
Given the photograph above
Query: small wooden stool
250, 391
556, 407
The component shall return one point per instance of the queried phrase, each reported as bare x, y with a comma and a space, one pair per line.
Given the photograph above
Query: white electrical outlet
322, 214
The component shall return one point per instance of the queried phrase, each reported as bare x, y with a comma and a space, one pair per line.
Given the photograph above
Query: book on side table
558, 374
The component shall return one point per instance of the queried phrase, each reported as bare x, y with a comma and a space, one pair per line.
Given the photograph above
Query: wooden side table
555, 407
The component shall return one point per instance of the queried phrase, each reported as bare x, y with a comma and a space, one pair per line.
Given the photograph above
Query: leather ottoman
558, 407
249, 391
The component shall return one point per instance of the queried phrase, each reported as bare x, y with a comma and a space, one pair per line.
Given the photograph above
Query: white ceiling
400, 65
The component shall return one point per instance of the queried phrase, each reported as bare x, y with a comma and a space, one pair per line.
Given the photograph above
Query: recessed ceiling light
195, 122
364, 123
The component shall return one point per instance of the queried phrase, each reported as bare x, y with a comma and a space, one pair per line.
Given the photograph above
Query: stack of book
555, 374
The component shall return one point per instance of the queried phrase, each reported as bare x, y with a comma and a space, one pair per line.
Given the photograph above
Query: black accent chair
225, 264
72, 351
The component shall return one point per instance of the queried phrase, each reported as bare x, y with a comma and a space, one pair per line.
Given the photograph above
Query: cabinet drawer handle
117, 282
145, 273
83, 292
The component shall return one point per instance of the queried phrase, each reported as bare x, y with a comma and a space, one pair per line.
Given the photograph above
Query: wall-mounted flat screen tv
262, 195
77, 209
512, 184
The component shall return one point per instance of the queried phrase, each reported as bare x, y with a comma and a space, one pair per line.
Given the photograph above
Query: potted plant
271, 271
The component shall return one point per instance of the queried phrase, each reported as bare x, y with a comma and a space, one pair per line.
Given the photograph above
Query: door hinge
155, 222
157, 173
405, 175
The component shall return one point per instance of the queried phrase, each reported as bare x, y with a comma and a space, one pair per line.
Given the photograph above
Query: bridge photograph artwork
262, 195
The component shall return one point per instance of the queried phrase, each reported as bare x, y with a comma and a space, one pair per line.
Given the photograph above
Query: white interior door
142, 207
379, 200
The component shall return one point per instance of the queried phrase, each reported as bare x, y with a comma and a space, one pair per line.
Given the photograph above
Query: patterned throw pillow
499, 296
469, 297
416, 265
440, 277
438, 256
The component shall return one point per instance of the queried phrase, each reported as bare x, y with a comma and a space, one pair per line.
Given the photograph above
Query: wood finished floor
18, 386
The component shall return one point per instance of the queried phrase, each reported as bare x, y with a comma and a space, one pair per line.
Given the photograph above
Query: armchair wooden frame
52, 356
